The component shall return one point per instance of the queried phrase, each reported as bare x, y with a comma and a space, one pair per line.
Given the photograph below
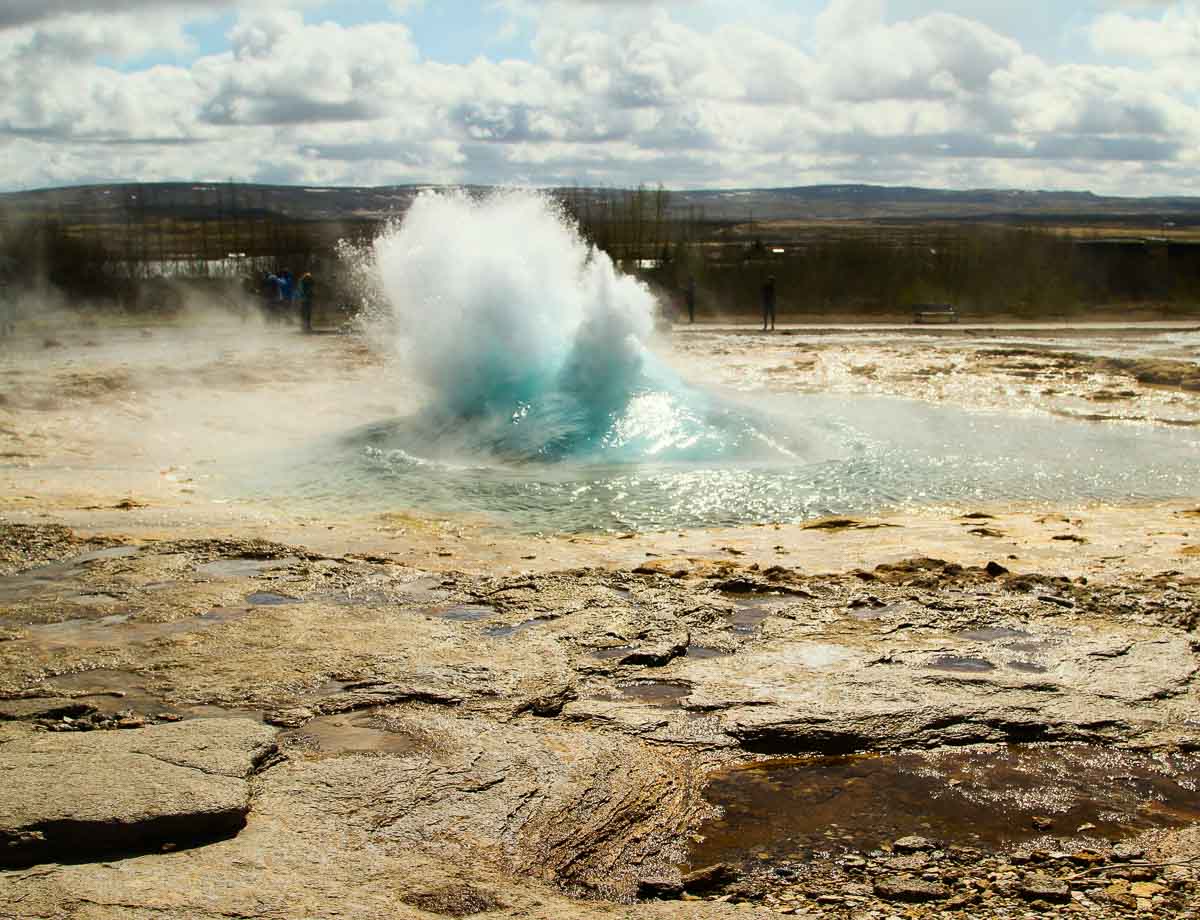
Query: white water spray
501, 304
533, 346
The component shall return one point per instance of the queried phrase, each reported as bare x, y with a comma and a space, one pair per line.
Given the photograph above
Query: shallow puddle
504, 632
427, 589
793, 809
702, 652
270, 598
751, 609
101, 680
111, 552
656, 693
112, 691
356, 596
957, 663
355, 733
998, 634
243, 568
464, 613
15, 588
1027, 667
118, 629
746, 622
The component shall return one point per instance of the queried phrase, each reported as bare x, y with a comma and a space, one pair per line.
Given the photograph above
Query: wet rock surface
473, 743
966, 882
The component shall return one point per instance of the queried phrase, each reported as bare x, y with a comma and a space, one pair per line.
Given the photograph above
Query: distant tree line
881, 268
132, 252
137, 252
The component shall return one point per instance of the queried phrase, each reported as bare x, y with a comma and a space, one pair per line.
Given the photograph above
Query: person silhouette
768, 302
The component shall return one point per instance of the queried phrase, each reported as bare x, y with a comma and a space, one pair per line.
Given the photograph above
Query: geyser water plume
531, 343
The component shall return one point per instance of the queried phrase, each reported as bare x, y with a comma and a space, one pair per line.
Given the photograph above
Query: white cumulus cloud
706, 92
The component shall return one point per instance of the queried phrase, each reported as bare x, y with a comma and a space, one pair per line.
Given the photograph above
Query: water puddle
243, 568
75, 633
101, 680
356, 733
426, 590
325, 690
269, 598
464, 613
16, 588
745, 620
998, 634
792, 810
701, 652
118, 629
504, 632
112, 691
356, 596
111, 552
960, 664
1027, 667
656, 693
751, 609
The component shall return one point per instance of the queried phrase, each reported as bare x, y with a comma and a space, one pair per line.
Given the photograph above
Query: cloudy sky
1058, 94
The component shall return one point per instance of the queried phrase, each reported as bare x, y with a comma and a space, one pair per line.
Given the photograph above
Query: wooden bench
934, 313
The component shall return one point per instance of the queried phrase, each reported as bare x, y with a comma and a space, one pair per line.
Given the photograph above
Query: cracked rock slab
101, 794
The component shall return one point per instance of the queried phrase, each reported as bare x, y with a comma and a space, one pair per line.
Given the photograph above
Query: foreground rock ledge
93, 795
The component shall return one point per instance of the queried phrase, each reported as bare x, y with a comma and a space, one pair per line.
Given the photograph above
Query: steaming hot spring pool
842, 457
548, 410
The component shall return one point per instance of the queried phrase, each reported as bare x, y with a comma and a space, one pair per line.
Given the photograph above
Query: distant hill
201, 200
872, 202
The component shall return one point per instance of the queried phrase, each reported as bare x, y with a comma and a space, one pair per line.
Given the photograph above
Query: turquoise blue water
548, 412
789, 459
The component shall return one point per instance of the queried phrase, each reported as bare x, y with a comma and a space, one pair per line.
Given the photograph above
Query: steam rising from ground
523, 346
531, 343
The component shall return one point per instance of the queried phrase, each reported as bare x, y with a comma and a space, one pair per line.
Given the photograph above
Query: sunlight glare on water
546, 408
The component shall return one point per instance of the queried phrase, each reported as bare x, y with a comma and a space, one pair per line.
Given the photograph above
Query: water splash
532, 345
547, 409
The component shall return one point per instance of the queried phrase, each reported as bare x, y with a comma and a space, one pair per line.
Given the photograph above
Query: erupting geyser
531, 344
543, 403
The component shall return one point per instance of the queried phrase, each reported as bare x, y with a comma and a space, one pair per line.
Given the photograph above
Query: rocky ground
214, 709
1099, 373
539, 744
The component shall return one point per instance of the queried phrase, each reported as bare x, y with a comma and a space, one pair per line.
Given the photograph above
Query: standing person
768, 302
690, 296
272, 295
306, 300
8, 311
